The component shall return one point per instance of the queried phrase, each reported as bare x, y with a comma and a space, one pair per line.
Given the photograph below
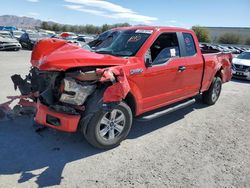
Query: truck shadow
141, 128
43, 155
23, 150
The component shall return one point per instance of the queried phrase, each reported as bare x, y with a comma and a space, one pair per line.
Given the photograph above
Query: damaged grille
42, 80
61, 92
46, 83
64, 92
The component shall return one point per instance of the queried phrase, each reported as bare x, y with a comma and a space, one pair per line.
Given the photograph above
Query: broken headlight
75, 93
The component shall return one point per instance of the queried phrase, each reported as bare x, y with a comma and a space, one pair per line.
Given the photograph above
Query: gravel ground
198, 146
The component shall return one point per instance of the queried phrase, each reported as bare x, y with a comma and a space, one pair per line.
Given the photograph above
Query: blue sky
181, 13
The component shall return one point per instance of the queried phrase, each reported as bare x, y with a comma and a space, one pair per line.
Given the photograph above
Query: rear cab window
189, 44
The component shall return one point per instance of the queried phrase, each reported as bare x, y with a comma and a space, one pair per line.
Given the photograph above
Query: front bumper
241, 74
10, 46
56, 120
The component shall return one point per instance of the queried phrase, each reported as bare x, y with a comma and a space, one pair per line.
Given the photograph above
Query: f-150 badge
136, 71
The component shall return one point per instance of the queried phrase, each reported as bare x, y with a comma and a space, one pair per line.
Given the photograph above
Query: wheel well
130, 100
219, 73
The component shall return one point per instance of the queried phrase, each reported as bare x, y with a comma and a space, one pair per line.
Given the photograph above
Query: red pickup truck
125, 72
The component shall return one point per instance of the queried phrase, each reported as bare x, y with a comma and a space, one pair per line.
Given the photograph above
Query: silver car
7, 42
241, 66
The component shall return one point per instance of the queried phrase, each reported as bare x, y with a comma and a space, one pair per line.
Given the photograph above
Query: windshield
123, 43
103, 40
6, 35
244, 55
36, 35
17, 33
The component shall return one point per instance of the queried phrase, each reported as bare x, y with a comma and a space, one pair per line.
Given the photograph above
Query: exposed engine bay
66, 92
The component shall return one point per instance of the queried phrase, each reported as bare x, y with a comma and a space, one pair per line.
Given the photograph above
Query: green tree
105, 27
247, 42
202, 34
45, 25
229, 38
56, 27
90, 29
65, 28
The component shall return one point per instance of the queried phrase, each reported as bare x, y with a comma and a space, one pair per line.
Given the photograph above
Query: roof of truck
152, 28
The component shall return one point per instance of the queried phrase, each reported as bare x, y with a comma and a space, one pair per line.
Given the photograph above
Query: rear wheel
107, 129
213, 93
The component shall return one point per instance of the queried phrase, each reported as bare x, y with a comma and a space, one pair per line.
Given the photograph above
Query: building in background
216, 32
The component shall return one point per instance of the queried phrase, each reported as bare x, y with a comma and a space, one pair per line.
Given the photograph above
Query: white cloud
82, 9
33, 1
107, 9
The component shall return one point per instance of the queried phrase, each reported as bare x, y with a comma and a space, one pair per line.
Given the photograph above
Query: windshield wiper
105, 52
110, 53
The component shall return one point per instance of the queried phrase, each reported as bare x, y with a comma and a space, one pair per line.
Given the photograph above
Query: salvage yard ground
198, 146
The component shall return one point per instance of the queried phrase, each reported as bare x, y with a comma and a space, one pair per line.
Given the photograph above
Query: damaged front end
58, 98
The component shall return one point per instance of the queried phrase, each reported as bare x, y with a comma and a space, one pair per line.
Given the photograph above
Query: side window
189, 44
165, 47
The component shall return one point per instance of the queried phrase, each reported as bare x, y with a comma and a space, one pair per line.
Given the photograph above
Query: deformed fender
120, 87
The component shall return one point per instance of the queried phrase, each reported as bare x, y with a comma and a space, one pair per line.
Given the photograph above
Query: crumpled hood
58, 55
8, 40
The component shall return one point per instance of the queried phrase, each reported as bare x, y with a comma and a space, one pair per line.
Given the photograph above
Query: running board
167, 111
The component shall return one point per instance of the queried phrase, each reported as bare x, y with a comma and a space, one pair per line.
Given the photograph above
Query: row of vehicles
224, 48
240, 62
17, 39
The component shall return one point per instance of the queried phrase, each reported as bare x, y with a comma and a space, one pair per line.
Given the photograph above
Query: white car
7, 42
241, 65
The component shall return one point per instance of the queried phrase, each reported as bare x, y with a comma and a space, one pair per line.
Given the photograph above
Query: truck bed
213, 61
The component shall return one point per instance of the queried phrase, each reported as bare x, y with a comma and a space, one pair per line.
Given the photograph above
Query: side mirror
148, 62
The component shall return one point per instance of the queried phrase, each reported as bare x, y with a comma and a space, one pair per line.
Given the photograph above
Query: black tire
213, 93
93, 132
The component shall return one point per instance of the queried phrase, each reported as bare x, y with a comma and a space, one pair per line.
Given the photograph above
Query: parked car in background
17, 34
9, 43
48, 32
28, 39
84, 38
234, 50
80, 40
68, 36
8, 28
6, 34
241, 65
240, 49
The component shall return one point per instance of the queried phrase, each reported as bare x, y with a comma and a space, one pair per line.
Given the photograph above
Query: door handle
181, 68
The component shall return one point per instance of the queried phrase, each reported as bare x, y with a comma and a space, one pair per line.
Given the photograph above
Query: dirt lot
198, 146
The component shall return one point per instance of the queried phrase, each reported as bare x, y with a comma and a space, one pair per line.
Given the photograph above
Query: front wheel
212, 94
107, 129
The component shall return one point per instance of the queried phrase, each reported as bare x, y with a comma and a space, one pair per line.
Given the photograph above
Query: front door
163, 80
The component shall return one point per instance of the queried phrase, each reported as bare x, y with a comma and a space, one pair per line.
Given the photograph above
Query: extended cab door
192, 75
